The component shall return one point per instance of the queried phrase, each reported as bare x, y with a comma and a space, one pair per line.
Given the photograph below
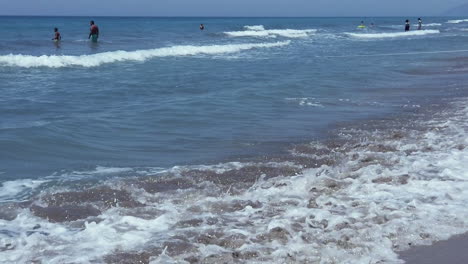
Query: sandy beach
452, 251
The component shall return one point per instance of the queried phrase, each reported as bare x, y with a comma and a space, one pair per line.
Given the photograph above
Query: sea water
255, 140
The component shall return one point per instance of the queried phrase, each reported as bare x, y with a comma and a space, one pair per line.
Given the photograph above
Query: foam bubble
392, 35
94, 60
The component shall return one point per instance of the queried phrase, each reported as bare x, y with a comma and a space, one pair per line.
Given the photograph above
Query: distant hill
461, 10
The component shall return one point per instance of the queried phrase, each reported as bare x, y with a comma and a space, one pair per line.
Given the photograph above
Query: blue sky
228, 7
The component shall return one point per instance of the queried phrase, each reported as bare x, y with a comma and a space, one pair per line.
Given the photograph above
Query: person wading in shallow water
93, 32
202, 27
407, 25
419, 23
57, 36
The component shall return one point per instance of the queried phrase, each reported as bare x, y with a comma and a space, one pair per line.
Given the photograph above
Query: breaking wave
392, 35
430, 25
260, 31
94, 60
255, 28
457, 21
401, 26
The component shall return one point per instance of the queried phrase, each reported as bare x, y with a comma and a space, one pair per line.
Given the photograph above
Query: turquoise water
185, 106
257, 140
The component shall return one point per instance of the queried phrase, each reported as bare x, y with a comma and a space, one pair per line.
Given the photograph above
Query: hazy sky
228, 7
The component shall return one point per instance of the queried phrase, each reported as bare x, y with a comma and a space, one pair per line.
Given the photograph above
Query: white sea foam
457, 21
386, 191
414, 25
17, 190
306, 101
260, 31
431, 25
94, 60
392, 35
255, 28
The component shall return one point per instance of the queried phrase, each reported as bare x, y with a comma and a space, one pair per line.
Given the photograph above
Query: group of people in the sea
407, 24
93, 32
94, 29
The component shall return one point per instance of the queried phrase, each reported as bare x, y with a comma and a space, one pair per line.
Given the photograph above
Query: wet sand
452, 251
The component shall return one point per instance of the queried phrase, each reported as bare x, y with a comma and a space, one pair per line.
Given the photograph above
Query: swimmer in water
57, 36
93, 32
202, 27
362, 25
419, 23
407, 25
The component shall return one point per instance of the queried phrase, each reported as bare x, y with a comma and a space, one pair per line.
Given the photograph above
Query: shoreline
301, 198
451, 251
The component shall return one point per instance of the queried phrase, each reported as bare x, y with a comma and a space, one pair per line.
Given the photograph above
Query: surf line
394, 54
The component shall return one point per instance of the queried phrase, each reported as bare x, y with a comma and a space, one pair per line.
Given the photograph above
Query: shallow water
102, 145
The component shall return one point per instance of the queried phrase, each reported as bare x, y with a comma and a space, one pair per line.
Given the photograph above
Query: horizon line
132, 16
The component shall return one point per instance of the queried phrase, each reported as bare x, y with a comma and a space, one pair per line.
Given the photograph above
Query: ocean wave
414, 25
18, 125
431, 25
260, 31
392, 35
94, 60
457, 21
255, 28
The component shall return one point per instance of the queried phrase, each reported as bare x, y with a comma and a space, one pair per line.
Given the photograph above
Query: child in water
407, 25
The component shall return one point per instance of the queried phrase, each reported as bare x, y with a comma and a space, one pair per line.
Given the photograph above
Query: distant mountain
461, 10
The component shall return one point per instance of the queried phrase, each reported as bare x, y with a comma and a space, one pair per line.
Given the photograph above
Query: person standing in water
419, 23
407, 25
202, 27
57, 36
93, 32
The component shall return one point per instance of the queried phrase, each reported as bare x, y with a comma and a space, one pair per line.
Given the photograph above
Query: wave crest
458, 21
260, 31
255, 28
392, 35
94, 60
